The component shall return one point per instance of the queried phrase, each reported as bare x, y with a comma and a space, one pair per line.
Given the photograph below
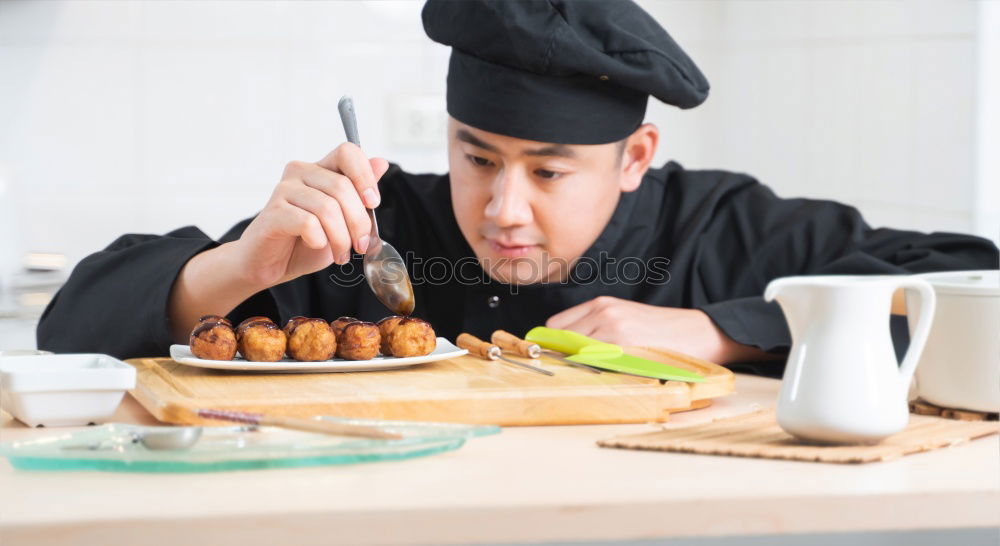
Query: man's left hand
625, 322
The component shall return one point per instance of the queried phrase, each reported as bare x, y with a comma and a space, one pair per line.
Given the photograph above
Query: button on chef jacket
719, 236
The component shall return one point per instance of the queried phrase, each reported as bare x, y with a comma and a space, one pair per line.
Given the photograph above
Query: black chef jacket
723, 236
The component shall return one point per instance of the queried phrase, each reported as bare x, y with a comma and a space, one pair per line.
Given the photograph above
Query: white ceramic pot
960, 364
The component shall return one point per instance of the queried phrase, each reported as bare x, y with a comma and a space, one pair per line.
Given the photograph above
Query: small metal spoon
171, 438
164, 439
385, 270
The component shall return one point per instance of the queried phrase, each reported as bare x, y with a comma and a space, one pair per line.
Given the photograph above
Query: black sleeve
754, 237
115, 300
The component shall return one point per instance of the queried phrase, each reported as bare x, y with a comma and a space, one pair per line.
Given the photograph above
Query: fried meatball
292, 322
260, 340
358, 341
310, 339
213, 340
215, 318
251, 320
338, 325
385, 327
412, 337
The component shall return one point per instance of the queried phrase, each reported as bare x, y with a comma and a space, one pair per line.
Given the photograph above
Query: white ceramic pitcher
842, 383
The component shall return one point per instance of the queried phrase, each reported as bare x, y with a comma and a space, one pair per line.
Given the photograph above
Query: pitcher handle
919, 338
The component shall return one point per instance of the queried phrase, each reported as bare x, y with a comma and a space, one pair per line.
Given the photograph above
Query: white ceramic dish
63, 390
960, 365
24, 352
444, 350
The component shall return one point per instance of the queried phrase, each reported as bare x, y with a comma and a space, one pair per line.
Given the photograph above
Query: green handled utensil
582, 349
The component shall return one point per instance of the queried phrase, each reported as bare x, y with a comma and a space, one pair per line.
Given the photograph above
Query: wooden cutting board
464, 390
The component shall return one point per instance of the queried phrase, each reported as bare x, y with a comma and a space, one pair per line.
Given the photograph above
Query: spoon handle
329, 427
308, 425
375, 239
350, 121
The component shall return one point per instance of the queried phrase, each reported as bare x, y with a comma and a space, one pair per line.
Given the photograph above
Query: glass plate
112, 447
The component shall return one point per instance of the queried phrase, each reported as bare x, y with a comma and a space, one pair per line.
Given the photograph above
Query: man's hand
315, 217
625, 322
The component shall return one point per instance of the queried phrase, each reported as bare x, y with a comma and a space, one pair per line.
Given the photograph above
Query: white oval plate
444, 350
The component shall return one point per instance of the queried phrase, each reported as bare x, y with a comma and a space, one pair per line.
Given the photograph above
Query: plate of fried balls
312, 344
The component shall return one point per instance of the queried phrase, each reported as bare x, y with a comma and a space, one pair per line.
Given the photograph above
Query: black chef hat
562, 71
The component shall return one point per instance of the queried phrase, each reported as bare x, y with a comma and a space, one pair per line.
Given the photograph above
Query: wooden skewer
559, 356
296, 423
509, 342
478, 347
488, 351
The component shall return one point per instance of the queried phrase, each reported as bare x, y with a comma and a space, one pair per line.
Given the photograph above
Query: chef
552, 213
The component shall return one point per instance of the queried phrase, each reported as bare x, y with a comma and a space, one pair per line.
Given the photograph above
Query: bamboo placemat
923, 407
758, 435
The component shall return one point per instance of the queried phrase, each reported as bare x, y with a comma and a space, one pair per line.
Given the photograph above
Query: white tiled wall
986, 210
145, 116
872, 103
142, 116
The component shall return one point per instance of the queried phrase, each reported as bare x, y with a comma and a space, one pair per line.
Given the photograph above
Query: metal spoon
385, 270
172, 438
164, 439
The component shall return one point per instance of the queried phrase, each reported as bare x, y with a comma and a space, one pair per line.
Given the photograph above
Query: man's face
530, 209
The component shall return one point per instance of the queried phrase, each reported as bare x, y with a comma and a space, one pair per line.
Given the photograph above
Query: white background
143, 116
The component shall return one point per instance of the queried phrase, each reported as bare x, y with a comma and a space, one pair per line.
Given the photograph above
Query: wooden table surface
525, 484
